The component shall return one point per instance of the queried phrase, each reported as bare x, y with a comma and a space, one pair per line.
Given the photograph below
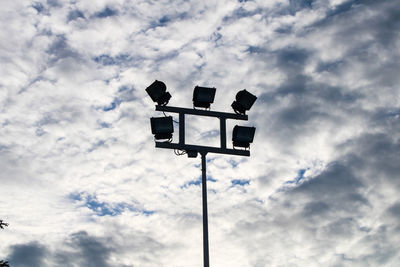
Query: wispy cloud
83, 185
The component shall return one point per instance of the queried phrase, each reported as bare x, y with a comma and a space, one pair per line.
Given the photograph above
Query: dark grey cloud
297, 116
292, 60
336, 206
315, 208
379, 153
53, 3
337, 180
333, 66
382, 27
341, 228
335, 95
87, 251
32, 254
395, 210
75, 14
60, 48
295, 5
79, 249
335, 196
240, 12
38, 6
313, 100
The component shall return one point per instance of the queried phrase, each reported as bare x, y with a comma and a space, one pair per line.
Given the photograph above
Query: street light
158, 93
162, 128
203, 96
244, 101
242, 136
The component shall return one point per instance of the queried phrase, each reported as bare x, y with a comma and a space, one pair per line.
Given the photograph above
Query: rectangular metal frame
222, 116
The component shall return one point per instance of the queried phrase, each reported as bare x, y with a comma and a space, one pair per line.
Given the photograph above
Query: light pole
206, 257
162, 128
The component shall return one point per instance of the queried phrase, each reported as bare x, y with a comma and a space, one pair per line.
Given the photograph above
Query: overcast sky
81, 183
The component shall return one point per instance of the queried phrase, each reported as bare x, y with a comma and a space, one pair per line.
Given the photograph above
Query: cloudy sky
81, 183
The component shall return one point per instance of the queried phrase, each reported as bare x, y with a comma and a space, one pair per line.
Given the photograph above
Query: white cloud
81, 176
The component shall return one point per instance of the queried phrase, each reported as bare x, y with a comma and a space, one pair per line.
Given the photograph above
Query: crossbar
208, 149
201, 112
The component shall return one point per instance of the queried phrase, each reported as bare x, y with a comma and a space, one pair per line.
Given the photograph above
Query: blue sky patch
198, 182
299, 178
38, 6
107, 60
194, 182
113, 105
255, 49
124, 88
107, 12
164, 20
102, 208
241, 182
233, 163
105, 124
97, 145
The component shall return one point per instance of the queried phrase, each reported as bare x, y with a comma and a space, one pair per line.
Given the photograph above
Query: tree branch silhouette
3, 224
3, 263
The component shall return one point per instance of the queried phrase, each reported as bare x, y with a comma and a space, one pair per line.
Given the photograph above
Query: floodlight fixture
244, 101
162, 128
158, 93
203, 96
242, 136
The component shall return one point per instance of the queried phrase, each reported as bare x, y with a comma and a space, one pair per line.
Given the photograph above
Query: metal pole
222, 130
181, 128
205, 216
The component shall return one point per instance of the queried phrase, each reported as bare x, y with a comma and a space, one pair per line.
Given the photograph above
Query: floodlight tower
163, 128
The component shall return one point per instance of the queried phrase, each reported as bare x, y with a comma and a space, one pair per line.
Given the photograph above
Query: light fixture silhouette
162, 127
203, 96
243, 136
244, 101
158, 93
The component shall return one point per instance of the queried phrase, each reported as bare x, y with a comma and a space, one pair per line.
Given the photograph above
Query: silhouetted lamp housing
244, 101
158, 93
242, 136
203, 96
162, 127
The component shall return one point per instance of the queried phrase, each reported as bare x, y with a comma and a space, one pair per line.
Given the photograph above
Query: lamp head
203, 96
162, 127
244, 101
158, 93
242, 136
